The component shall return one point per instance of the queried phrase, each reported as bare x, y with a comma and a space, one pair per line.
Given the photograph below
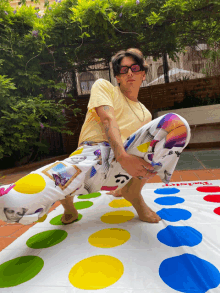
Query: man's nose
130, 71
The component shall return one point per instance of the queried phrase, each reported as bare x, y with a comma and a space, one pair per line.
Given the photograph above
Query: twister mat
108, 249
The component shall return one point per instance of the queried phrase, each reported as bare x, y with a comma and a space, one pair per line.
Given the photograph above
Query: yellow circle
30, 184
120, 203
144, 147
96, 272
117, 217
78, 152
108, 238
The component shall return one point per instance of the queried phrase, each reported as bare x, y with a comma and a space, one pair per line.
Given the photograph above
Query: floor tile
189, 165
2, 223
11, 178
22, 230
187, 156
5, 241
155, 179
176, 176
205, 175
216, 172
211, 164
207, 155
8, 230
188, 176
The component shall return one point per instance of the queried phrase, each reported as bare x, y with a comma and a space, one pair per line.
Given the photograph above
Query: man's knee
178, 128
171, 121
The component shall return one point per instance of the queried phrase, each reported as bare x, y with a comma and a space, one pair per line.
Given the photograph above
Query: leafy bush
191, 99
23, 121
31, 85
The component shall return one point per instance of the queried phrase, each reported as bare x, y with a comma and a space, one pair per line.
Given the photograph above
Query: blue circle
174, 215
179, 236
166, 190
169, 200
189, 274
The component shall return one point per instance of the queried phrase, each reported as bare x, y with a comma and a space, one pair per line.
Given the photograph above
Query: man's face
130, 80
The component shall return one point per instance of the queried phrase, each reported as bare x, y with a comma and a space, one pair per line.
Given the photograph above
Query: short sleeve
101, 94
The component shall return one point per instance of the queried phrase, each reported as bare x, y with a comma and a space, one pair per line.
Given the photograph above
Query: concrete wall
204, 122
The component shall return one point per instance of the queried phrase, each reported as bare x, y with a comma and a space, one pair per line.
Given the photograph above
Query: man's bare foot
132, 193
69, 217
116, 193
147, 215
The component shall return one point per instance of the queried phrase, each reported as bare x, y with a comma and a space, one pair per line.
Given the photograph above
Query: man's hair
136, 54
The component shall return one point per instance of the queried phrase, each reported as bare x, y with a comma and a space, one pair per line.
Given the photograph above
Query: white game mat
110, 250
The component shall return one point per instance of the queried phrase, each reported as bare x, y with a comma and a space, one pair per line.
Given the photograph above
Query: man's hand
135, 166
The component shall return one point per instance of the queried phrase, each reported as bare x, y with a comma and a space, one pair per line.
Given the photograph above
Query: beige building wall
191, 61
86, 79
40, 5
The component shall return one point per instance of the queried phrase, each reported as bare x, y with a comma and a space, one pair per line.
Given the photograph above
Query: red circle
208, 188
217, 211
212, 198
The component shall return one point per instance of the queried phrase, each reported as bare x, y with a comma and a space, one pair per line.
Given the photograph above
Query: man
120, 146
130, 71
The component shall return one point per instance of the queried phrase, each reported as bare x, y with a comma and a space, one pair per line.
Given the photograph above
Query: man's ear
144, 76
117, 78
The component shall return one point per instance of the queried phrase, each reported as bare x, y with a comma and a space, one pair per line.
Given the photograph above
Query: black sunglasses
134, 68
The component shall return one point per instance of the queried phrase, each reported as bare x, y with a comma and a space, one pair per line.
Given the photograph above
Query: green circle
19, 270
57, 220
46, 239
83, 204
90, 195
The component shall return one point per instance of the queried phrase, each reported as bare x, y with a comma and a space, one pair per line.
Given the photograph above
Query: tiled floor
196, 160
192, 166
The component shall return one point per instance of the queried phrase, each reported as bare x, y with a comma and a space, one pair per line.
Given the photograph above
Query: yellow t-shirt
104, 93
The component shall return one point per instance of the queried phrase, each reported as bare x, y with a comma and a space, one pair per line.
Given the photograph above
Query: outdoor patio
193, 165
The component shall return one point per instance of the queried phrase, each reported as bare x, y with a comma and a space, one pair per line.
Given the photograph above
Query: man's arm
107, 117
134, 165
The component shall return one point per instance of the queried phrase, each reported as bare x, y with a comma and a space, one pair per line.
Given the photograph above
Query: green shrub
23, 121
